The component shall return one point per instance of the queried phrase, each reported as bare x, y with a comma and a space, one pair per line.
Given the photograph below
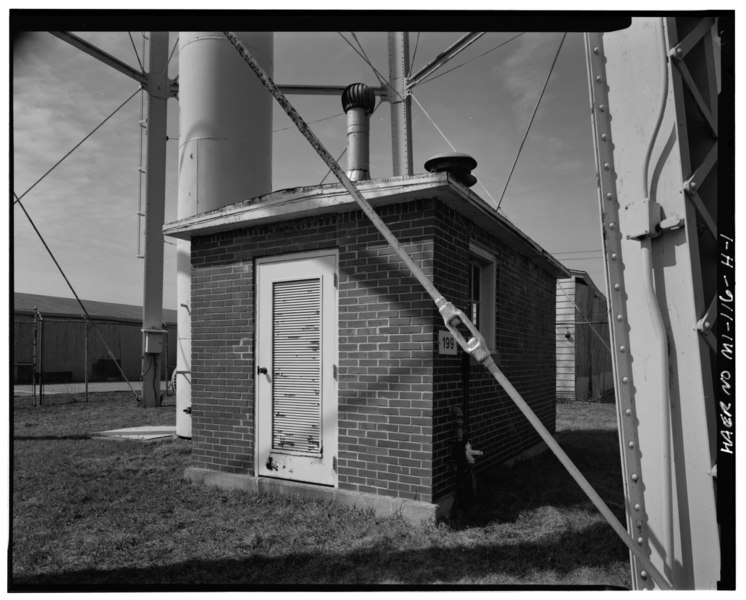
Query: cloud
522, 74
85, 208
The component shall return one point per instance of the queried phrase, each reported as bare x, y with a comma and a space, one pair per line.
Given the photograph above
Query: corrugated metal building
66, 348
583, 357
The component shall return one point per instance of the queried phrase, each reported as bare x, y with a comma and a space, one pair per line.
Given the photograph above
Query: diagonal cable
523, 141
168, 62
440, 131
72, 289
329, 171
414, 53
380, 77
365, 54
116, 110
500, 45
452, 317
422, 108
139, 62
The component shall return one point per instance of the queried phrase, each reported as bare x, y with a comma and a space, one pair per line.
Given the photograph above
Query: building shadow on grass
504, 493
378, 565
501, 549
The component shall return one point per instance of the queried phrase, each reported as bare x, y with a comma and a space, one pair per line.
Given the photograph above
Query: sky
86, 207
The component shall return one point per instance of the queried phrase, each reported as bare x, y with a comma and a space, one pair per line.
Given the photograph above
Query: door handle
261, 370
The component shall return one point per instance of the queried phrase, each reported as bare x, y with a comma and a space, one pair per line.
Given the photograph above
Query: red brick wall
395, 402
525, 313
385, 346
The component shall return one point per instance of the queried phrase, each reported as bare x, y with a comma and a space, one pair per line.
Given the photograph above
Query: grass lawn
117, 513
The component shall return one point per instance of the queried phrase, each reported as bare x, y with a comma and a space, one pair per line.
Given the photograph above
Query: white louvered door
296, 349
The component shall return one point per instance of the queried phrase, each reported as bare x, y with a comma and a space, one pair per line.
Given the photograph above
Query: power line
428, 80
334, 116
116, 110
564, 35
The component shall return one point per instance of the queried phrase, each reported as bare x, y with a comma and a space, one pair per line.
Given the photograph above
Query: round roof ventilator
358, 95
458, 164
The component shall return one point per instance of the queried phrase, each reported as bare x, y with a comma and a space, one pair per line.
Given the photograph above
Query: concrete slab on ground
144, 432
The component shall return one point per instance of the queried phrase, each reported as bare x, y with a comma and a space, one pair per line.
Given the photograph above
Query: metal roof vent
458, 164
358, 101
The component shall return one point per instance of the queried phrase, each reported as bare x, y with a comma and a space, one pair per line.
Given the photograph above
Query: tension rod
452, 316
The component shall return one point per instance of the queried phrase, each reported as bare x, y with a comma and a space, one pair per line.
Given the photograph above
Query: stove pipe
358, 101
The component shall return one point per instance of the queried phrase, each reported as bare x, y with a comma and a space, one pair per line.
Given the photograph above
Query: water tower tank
225, 154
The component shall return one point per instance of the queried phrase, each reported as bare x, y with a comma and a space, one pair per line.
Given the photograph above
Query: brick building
320, 365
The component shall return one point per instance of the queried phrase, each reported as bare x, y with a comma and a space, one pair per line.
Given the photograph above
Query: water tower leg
401, 103
158, 93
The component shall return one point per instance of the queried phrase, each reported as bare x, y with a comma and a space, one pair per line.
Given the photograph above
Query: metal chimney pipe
358, 101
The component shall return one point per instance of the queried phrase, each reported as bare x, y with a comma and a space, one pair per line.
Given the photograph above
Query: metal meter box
154, 340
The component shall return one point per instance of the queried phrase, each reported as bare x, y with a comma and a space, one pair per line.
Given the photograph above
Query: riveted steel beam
673, 390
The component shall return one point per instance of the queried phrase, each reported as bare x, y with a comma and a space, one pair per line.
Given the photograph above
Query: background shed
584, 369
57, 346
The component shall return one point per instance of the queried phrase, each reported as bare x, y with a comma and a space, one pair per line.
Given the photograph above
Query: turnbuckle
476, 345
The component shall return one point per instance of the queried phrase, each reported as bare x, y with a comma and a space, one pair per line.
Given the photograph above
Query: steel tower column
658, 248
401, 103
155, 199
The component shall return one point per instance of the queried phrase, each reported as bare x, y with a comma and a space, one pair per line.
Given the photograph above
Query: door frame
330, 448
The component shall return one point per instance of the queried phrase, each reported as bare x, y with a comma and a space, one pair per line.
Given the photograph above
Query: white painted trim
488, 291
292, 256
330, 311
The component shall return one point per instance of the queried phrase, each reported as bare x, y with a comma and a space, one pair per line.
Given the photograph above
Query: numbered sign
447, 343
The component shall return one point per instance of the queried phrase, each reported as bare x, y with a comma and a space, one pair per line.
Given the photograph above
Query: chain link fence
59, 360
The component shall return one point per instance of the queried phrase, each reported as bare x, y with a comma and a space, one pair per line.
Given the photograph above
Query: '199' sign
447, 343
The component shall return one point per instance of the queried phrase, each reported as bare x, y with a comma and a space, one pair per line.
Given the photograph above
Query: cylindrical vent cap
457, 164
358, 95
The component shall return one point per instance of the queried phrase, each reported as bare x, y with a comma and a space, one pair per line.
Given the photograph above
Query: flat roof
296, 203
57, 306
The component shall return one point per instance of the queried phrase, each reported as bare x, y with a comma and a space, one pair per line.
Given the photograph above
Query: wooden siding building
584, 369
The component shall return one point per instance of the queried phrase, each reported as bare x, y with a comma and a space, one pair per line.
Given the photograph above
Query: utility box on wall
316, 355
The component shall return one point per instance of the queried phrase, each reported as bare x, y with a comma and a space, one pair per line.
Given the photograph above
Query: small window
482, 278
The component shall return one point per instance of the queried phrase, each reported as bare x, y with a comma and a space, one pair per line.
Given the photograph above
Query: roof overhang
296, 203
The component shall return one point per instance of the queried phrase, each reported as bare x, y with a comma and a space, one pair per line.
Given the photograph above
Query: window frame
487, 309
